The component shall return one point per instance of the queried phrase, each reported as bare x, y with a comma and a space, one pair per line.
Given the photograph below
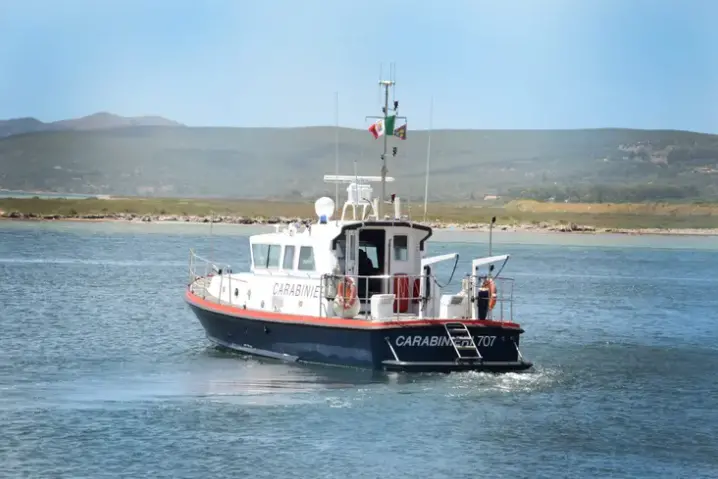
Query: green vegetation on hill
602, 165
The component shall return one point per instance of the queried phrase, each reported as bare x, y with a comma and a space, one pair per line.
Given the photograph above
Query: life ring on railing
346, 301
491, 286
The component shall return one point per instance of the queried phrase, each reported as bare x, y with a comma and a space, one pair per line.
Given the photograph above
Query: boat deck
362, 315
200, 288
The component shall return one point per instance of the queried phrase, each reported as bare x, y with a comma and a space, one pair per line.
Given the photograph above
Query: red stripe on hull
333, 322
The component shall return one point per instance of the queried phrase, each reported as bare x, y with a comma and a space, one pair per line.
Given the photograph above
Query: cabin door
354, 268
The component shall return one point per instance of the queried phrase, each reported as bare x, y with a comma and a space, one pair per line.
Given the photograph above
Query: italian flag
381, 126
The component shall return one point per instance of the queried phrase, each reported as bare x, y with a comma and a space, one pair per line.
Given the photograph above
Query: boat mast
384, 170
386, 84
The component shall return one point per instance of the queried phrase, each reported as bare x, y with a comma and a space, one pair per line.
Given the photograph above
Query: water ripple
104, 372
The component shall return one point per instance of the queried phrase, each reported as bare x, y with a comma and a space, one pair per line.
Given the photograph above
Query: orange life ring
347, 292
491, 286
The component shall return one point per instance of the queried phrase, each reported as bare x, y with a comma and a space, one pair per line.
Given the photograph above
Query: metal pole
428, 157
491, 232
336, 150
384, 170
211, 242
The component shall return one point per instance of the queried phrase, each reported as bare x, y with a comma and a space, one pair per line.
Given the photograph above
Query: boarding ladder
463, 342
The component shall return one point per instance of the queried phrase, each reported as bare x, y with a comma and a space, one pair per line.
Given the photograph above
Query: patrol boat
359, 291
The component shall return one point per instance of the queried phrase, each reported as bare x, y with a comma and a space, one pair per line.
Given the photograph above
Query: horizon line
179, 124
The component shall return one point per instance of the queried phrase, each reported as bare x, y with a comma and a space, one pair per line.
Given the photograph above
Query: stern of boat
452, 346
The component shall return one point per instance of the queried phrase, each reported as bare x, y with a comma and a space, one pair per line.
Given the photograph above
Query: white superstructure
355, 266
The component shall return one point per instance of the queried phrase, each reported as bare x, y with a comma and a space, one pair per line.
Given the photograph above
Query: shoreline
540, 227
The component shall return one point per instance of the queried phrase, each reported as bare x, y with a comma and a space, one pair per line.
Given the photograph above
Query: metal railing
410, 296
503, 310
200, 267
201, 272
407, 288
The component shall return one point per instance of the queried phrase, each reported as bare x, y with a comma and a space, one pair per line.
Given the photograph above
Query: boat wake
270, 377
473, 383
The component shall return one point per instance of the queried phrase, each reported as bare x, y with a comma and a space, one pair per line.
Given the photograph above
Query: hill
18, 126
100, 120
105, 120
601, 165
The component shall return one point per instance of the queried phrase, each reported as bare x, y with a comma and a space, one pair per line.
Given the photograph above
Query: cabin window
275, 252
260, 253
266, 255
288, 262
306, 258
372, 251
401, 248
368, 250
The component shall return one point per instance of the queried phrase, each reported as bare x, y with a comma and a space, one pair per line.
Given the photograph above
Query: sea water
105, 372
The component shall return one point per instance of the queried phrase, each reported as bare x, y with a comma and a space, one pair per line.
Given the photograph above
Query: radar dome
324, 208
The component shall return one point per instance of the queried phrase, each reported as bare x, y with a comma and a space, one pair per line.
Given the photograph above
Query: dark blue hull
423, 347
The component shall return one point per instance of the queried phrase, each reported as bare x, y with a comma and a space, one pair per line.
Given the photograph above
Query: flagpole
336, 149
428, 156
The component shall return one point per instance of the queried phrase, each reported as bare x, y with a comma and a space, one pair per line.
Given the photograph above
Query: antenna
392, 77
336, 148
356, 179
378, 92
211, 242
428, 156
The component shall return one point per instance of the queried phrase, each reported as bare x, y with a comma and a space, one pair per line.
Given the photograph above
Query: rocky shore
243, 220
135, 218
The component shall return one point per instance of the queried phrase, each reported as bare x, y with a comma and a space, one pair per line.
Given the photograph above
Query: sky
516, 64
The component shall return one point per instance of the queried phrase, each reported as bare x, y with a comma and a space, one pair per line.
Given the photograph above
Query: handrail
504, 296
200, 271
194, 258
369, 285
423, 301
